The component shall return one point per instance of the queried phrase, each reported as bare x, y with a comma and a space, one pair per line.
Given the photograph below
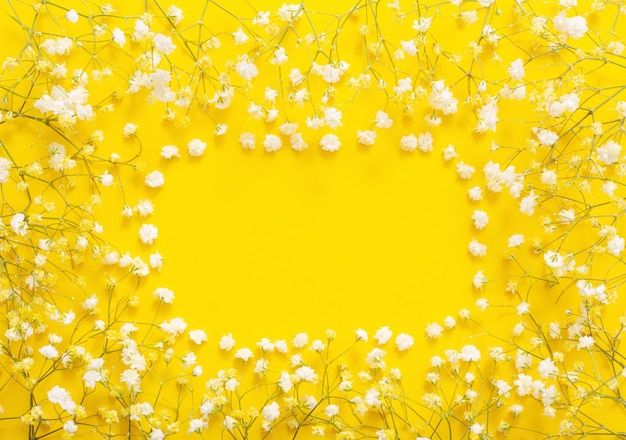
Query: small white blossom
475, 193
198, 336
464, 170
383, 120
227, 342
404, 341
366, 137
244, 354
72, 16
434, 330
164, 294
383, 335
196, 147
516, 70
477, 249
481, 218
155, 179
609, 153
246, 69
585, 342
330, 142
148, 233
272, 143
247, 141
408, 143
169, 152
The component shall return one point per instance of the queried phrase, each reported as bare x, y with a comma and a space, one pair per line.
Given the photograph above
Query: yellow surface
264, 244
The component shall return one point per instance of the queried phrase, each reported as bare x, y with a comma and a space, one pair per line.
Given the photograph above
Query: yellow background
269, 245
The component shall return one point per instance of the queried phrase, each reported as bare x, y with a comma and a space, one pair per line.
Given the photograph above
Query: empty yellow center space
308, 241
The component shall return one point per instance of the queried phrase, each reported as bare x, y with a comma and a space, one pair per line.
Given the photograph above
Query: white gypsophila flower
288, 128
272, 143
106, 179
119, 37
297, 142
464, 171
196, 147
408, 143
441, 98
90, 302
585, 342
300, 340
527, 204
366, 137
404, 85
383, 335
469, 353
163, 44
433, 330
522, 308
307, 374
246, 69
244, 354
49, 352
141, 30
19, 225
609, 153
271, 412
330, 142
375, 359
546, 137
487, 118
70, 427
198, 336
221, 129
164, 294
383, 120
148, 233
615, 246
72, 16
155, 179
240, 37
477, 249
482, 304
174, 327
5, 167
425, 142
331, 410
332, 117
479, 280
62, 397
247, 141
169, 152
574, 27
449, 322
516, 70
409, 47
404, 341
317, 345
475, 193
156, 260
227, 342
196, 426
361, 335
129, 129
280, 57
516, 240
58, 46
481, 219
449, 153
422, 24
620, 108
